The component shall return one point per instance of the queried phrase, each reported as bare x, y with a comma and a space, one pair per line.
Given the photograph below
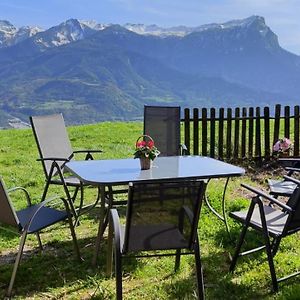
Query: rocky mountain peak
6, 26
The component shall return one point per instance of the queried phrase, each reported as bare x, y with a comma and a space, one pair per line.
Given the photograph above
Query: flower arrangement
282, 146
145, 148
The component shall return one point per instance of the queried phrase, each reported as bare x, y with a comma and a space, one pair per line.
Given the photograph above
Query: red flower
141, 144
150, 144
145, 148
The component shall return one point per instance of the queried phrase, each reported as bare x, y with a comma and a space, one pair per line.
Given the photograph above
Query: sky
282, 16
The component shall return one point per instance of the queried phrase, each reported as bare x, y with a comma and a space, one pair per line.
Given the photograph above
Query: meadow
56, 274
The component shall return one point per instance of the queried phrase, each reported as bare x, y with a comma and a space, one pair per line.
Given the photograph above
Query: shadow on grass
57, 267
254, 267
218, 282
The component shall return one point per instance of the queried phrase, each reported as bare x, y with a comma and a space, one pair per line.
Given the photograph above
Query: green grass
55, 273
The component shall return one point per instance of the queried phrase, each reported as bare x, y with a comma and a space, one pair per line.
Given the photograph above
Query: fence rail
240, 132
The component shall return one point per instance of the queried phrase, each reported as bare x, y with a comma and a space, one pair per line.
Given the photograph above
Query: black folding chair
30, 220
162, 123
274, 223
55, 150
160, 216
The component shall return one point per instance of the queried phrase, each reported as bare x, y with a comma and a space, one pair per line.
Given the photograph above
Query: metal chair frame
172, 121
54, 174
120, 240
288, 215
13, 218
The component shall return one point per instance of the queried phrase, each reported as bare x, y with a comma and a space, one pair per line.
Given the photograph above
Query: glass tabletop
122, 171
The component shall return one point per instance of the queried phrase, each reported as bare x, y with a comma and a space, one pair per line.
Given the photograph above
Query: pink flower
276, 146
286, 144
282, 145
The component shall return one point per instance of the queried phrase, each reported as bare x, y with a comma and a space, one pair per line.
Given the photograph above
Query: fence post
204, 131
287, 121
212, 131
221, 133
196, 131
267, 131
243, 137
251, 132
228, 137
296, 130
236, 132
187, 128
257, 133
276, 123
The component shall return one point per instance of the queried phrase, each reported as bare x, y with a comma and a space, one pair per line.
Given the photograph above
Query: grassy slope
55, 274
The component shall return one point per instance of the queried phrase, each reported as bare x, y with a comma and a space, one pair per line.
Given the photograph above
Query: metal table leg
222, 217
102, 224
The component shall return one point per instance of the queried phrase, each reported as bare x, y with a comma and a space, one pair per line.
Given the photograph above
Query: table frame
109, 173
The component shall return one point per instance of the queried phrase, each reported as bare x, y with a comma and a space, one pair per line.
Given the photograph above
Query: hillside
93, 72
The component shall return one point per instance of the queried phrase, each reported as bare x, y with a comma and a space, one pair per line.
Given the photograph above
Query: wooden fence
241, 132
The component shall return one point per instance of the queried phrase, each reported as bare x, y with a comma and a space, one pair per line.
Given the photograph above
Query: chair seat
44, 218
281, 187
275, 219
155, 237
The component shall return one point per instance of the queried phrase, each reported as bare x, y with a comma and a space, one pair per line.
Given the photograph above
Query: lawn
55, 273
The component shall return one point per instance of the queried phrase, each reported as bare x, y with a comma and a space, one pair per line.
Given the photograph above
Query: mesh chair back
293, 222
162, 123
52, 138
7, 212
158, 215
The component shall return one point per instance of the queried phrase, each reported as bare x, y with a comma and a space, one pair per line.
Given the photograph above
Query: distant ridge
94, 72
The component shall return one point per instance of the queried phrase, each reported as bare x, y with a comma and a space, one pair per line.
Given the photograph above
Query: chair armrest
292, 169
54, 159
88, 153
19, 188
267, 196
289, 161
291, 179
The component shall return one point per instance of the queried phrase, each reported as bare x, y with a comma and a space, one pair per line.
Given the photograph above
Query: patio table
112, 172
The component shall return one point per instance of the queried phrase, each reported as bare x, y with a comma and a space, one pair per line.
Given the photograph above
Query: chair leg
238, 248
39, 241
271, 263
109, 250
75, 242
81, 198
17, 263
242, 237
268, 249
275, 246
199, 271
101, 227
46, 189
177, 259
118, 270
78, 212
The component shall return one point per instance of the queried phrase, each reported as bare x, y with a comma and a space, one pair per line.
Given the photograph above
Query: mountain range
94, 72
